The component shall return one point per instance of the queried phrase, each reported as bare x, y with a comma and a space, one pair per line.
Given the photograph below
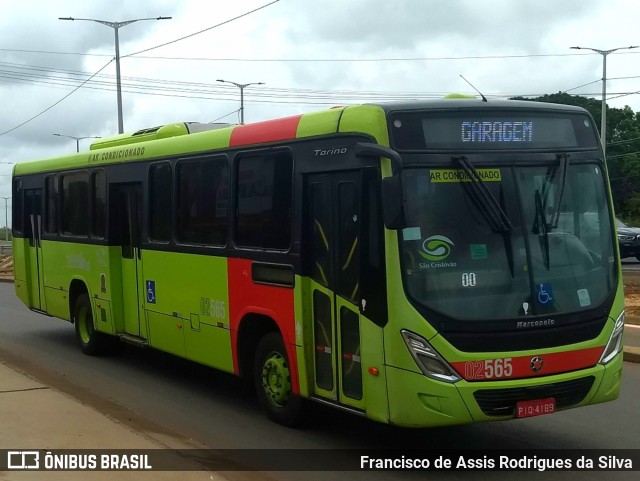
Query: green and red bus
420, 264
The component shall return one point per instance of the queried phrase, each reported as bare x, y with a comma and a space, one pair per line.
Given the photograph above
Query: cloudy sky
310, 54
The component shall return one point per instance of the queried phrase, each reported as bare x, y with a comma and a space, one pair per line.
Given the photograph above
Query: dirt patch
631, 281
6, 267
632, 306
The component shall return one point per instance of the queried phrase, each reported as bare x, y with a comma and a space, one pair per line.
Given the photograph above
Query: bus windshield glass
556, 257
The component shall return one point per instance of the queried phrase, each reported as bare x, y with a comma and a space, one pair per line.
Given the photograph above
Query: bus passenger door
126, 207
334, 225
33, 225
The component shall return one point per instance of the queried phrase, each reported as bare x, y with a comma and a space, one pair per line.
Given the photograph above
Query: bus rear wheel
272, 379
91, 341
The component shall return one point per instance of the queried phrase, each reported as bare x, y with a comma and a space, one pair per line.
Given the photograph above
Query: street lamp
6, 219
77, 139
241, 87
603, 121
115, 26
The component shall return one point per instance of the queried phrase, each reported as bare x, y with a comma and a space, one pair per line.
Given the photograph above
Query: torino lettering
506, 131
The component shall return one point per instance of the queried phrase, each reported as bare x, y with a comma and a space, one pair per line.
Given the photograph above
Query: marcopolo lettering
536, 323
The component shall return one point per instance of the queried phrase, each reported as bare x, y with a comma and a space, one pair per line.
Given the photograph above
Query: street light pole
6, 219
77, 139
116, 26
603, 117
241, 87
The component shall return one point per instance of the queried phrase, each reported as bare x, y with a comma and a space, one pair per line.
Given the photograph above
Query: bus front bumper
418, 401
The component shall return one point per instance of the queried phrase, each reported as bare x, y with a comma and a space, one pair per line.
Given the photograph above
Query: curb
631, 354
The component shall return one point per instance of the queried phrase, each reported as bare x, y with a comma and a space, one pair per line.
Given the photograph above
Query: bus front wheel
272, 379
91, 341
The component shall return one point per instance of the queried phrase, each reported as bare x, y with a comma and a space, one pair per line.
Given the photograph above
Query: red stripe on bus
528, 366
247, 297
268, 131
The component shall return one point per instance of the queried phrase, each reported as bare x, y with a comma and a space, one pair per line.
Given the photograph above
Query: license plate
537, 407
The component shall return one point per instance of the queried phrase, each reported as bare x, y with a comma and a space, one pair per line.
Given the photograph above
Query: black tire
272, 381
91, 342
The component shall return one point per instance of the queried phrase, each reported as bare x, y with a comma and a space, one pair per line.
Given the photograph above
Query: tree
4, 234
623, 150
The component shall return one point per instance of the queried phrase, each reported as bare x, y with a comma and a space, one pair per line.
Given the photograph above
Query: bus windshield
557, 257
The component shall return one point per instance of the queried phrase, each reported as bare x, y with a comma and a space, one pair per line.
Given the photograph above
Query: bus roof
469, 103
186, 138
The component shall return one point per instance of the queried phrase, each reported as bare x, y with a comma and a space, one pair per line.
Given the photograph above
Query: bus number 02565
488, 369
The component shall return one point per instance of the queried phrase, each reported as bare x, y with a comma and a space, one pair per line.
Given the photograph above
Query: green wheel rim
85, 325
276, 379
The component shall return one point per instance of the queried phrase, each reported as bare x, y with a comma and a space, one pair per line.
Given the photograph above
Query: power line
583, 85
275, 95
235, 59
44, 75
225, 115
624, 95
50, 52
283, 96
623, 141
202, 31
600, 80
386, 59
622, 155
50, 107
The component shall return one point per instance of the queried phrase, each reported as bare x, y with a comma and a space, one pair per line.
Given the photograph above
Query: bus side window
349, 251
17, 214
75, 204
264, 190
51, 207
201, 185
98, 204
160, 202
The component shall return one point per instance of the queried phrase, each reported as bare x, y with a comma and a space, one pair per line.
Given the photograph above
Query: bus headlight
614, 346
428, 359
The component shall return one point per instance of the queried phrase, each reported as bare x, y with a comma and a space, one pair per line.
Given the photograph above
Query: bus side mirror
392, 203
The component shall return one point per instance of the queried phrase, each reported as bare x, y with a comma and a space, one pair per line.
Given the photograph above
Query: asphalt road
151, 390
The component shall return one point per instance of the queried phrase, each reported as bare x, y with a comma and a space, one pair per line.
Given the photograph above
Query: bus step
135, 340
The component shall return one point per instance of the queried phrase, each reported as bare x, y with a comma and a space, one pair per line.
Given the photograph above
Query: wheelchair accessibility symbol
151, 292
545, 295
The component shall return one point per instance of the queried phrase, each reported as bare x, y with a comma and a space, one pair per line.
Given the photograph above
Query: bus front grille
502, 402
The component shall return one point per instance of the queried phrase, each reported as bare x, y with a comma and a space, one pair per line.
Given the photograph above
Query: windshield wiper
489, 206
564, 167
541, 229
491, 210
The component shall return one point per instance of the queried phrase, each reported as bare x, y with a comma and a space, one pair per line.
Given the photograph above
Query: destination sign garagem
496, 131
477, 130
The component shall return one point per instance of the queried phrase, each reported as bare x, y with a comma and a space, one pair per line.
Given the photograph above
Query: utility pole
603, 118
77, 139
241, 87
6, 219
116, 26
